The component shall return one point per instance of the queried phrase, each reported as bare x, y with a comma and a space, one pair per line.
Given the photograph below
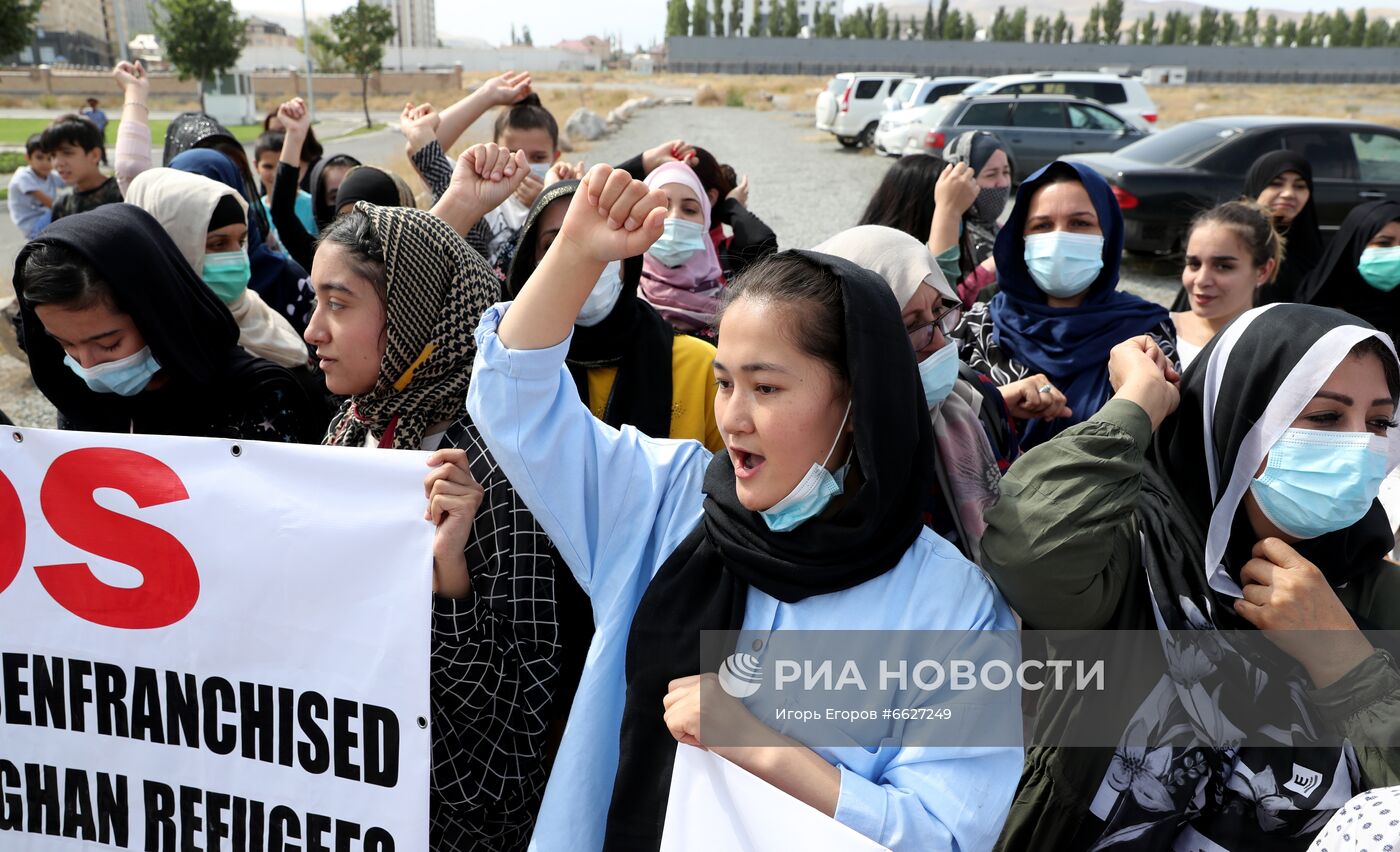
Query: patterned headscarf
437, 289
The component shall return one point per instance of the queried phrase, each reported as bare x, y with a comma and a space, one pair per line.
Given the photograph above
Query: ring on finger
1045, 388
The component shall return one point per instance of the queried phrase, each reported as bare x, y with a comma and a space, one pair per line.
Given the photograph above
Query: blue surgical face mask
540, 170
812, 493
603, 297
227, 273
1064, 264
680, 240
1381, 268
1318, 482
937, 372
125, 377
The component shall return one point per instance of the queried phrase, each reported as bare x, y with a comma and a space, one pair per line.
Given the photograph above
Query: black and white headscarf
1247, 387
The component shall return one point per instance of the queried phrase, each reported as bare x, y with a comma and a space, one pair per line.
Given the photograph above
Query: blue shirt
26, 212
623, 507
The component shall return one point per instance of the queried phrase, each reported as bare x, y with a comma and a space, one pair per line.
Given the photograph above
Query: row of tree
1105, 25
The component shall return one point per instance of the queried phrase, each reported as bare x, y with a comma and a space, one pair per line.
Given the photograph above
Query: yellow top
692, 391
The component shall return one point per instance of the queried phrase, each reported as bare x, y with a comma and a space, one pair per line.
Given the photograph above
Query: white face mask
540, 170
603, 297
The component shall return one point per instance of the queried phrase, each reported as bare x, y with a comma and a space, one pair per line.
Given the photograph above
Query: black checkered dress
436, 170
495, 671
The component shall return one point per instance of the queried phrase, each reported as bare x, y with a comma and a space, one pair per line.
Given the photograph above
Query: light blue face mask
1381, 268
603, 297
812, 493
1318, 482
938, 372
125, 377
680, 240
227, 273
540, 170
1064, 264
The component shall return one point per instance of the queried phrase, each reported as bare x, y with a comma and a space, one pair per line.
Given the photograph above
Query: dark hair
57, 275
713, 174
527, 114
365, 254
311, 150
270, 140
1372, 346
1251, 223
818, 325
34, 143
904, 201
70, 129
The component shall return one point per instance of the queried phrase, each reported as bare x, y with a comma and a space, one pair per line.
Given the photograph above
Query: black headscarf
1335, 281
375, 186
1303, 247
1246, 387
190, 332
703, 584
633, 337
322, 212
193, 130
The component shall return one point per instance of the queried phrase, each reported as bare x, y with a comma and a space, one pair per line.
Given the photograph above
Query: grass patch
14, 131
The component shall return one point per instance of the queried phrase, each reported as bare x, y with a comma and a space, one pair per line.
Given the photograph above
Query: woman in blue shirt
810, 520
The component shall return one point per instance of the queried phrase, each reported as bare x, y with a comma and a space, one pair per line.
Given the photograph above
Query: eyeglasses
945, 321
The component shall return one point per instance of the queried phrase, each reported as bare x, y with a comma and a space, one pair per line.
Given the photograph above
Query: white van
851, 106
1126, 96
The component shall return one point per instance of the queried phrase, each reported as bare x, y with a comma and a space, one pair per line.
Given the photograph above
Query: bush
706, 96
733, 97
10, 161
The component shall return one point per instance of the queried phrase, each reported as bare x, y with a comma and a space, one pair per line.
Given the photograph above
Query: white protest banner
716, 805
212, 645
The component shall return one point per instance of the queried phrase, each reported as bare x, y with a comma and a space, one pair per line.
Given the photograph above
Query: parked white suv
1125, 95
921, 91
851, 105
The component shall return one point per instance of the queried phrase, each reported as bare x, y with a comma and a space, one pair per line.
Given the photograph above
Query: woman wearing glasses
973, 419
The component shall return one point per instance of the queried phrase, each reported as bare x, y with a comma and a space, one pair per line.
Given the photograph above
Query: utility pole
306, 49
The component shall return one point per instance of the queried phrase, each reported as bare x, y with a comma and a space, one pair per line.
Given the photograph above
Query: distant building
642, 63
75, 32
265, 33
599, 47
415, 22
805, 12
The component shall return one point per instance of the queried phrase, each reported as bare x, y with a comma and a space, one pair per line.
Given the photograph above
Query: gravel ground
801, 182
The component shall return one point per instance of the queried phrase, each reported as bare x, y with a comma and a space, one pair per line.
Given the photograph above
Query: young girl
122, 336
398, 293
809, 519
681, 276
1058, 310
986, 156
1194, 506
1231, 251
926, 197
1360, 270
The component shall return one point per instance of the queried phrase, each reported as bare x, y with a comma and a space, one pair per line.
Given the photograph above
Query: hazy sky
638, 21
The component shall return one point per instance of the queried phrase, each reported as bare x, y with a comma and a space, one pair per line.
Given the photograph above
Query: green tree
936, 27
202, 38
998, 28
1018, 24
953, 26
1060, 27
1306, 31
792, 25
700, 19
969, 25
717, 15
360, 33
1269, 37
1289, 34
1208, 28
896, 29
1133, 32
775, 20
1357, 36
1249, 34
525, 38
1091, 34
1111, 20
882, 22
1229, 29
678, 17
736, 19
323, 58
1377, 34
1038, 29
1069, 35
1148, 34
17, 19
755, 19
1339, 28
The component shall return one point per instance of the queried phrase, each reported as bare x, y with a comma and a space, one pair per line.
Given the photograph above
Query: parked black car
1036, 129
1165, 179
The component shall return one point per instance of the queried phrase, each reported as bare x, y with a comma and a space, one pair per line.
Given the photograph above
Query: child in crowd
75, 144
267, 152
33, 189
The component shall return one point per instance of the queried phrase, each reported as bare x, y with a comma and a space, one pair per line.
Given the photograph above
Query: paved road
804, 185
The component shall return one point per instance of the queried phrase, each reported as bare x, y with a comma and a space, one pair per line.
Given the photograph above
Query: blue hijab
1070, 345
279, 280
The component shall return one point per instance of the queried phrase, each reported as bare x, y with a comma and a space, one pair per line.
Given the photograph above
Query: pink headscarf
688, 296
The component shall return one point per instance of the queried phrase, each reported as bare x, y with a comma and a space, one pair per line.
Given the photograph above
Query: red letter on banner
11, 533
170, 583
